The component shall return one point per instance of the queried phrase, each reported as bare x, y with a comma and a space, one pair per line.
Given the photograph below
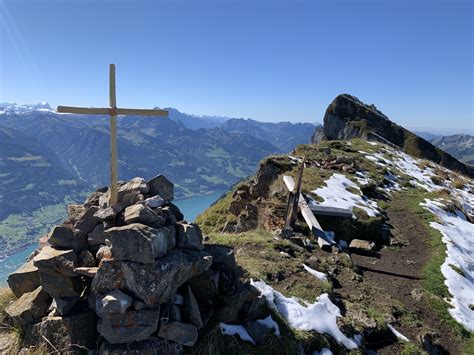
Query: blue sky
271, 61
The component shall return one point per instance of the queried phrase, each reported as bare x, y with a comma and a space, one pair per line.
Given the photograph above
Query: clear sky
271, 61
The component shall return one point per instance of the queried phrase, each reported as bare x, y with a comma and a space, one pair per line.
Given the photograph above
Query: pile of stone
134, 276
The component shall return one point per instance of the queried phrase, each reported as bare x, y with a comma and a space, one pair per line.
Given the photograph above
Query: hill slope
460, 146
347, 117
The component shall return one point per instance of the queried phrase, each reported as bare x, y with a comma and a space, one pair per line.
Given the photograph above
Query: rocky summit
131, 278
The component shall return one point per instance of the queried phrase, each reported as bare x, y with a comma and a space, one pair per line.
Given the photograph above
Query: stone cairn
131, 278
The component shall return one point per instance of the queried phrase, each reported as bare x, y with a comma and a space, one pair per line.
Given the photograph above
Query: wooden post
113, 138
292, 207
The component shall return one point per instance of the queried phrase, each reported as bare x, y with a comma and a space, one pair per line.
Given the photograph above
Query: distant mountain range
47, 158
460, 146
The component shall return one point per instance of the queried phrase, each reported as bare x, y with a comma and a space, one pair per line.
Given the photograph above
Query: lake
190, 207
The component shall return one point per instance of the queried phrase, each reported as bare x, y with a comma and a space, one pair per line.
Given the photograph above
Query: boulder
93, 198
108, 213
74, 212
140, 243
25, 279
191, 310
234, 303
30, 307
153, 283
97, 236
58, 286
205, 286
87, 221
222, 254
71, 334
160, 185
151, 346
54, 261
113, 302
131, 326
154, 202
257, 331
136, 184
130, 198
189, 236
143, 214
181, 333
65, 238
362, 245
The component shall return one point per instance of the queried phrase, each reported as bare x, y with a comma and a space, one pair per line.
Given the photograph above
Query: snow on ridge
318, 274
457, 234
335, 194
320, 316
398, 334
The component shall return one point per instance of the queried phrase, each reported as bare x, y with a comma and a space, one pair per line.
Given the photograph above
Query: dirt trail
399, 273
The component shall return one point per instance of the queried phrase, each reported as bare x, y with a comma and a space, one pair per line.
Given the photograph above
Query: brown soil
398, 275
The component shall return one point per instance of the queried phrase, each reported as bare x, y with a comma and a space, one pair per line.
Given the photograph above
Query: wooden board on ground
331, 211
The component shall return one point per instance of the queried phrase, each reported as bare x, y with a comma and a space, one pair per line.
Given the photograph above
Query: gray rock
143, 214
63, 306
205, 286
189, 236
257, 331
86, 259
87, 221
191, 310
108, 213
66, 238
29, 307
152, 283
130, 198
74, 212
71, 334
86, 271
151, 346
97, 236
58, 286
113, 302
140, 243
363, 245
154, 202
160, 185
93, 198
222, 254
25, 279
234, 303
171, 312
181, 333
136, 184
54, 261
131, 326
138, 305
103, 252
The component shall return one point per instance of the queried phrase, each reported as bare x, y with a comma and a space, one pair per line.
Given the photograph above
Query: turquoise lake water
190, 207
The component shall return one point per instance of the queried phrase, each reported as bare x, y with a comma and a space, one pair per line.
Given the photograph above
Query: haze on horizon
281, 61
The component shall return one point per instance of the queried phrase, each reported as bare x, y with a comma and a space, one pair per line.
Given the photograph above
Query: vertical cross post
113, 137
293, 198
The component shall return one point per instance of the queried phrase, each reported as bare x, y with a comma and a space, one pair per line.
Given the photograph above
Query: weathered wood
113, 111
331, 211
311, 221
292, 207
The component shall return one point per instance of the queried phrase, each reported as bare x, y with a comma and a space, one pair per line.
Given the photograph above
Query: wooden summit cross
113, 111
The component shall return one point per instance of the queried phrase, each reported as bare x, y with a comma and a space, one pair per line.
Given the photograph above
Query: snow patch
324, 351
270, 323
230, 329
458, 235
319, 316
319, 275
398, 334
335, 194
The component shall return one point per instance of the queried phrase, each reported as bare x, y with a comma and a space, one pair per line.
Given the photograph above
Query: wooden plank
331, 211
113, 139
311, 221
141, 112
292, 208
83, 110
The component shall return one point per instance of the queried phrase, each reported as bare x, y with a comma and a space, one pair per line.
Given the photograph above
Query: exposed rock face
134, 271
347, 117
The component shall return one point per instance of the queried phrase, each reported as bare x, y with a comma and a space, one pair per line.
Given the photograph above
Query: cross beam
112, 111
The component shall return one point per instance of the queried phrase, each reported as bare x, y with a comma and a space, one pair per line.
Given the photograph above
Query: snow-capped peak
12, 108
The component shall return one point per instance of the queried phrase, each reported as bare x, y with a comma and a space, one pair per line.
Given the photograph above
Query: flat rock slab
88, 220
189, 236
152, 283
71, 334
57, 285
29, 307
140, 243
54, 261
25, 279
131, 326
143, 214
65, 238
